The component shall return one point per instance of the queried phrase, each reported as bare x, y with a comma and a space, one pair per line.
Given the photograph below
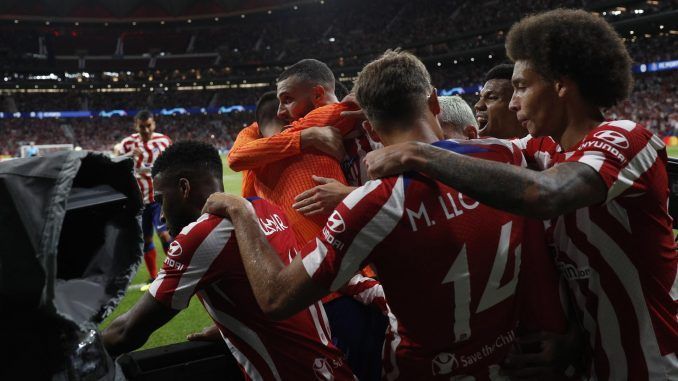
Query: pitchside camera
70, 242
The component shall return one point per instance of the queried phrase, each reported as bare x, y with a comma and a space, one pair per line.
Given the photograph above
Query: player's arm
130, 330
546, 194
281, 291
322, 198
251, 151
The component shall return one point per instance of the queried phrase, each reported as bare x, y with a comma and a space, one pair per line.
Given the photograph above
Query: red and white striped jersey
449, 267
619, 256
143, 164
204, 260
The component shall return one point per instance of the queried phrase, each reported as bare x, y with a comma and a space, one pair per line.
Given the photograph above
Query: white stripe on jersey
249, 368
358, 194
313, 308
640, 164
313, 260
156, 283
595, 159
368, 295
395, 342
628, 276
619, 214
381, 225
610, 333
210, 248
581, 261
625, 124
245, 334
674, 288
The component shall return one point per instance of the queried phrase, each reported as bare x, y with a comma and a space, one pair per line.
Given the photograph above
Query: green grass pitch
194, 318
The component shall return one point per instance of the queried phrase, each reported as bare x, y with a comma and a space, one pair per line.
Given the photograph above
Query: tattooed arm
546, 194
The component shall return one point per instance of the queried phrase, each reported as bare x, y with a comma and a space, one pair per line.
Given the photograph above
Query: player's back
461, 259
449, 267
281, 182
206, 259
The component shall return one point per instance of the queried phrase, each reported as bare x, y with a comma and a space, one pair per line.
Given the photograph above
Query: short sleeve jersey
449, 267
204, 261
619, 257
143, 164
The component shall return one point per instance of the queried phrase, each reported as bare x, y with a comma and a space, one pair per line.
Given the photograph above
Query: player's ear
184, 188
563, 86
318, 95
471, 132
369, 130
433, 103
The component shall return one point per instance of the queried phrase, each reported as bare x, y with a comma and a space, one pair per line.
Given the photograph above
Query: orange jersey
248, 134
251, 151
282, 180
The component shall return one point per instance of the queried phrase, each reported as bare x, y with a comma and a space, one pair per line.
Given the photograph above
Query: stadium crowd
653, 102
521, 231
101, 134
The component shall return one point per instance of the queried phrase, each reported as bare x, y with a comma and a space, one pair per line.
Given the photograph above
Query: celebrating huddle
549, 256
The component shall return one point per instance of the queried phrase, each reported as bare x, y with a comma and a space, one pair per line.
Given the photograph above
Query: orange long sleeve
251, 151
281, 181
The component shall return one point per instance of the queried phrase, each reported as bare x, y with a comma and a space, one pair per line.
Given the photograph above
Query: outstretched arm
546, 194
281, 291
130, 330
252, 152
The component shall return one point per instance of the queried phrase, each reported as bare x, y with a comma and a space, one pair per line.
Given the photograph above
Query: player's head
265, 114
456, 118
565, 60
304, 86
492, 109
184, 176
144, 124
395, 93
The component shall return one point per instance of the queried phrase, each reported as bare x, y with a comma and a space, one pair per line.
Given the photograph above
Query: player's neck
419, 131
579, 122
328, 99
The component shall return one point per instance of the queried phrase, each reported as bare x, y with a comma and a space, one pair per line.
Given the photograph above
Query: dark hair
267, 108
340, 90
501, 71
310, 71
144, 114
188, 158
577, 45
394, 87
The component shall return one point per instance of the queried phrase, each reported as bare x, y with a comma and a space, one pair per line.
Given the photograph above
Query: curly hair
577, 45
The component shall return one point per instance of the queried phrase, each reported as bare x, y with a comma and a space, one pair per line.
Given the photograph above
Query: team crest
336, 222
174, 249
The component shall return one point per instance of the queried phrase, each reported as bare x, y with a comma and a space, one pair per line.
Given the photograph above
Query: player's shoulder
203, 226
160, 136
193, 235
130, 138
378, 191
624, 135
486, 148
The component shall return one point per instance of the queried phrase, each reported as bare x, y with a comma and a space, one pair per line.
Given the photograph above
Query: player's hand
325, 139
322, 198
357, 114
223, 204
545, 356
391, 160
210, 333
